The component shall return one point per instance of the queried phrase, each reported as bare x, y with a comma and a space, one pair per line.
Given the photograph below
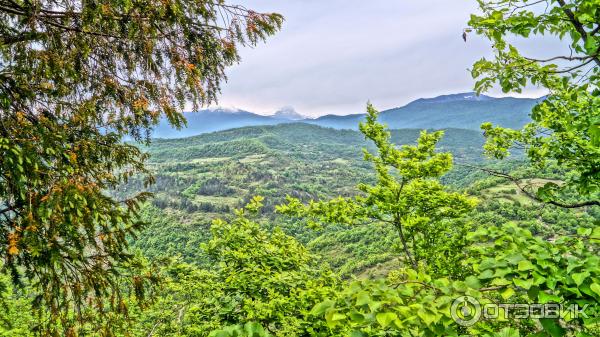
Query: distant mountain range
464, 111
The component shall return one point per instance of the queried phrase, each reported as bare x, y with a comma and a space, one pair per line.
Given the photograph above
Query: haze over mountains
465, 111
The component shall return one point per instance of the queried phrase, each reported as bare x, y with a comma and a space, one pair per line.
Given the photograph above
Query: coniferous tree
76, 78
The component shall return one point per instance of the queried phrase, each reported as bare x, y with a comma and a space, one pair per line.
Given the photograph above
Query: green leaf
427, 316
525, 265
590, 45
374, 305
488, 263
320, 308
525, 284
595, 233
579, 278
356, 317
487, 274
594, 132
552, 327
473, 282
386, 318
538, 279
544, 298
515, 258
358, 333
595, 287
254, 329
362, 298
333, 318
219, 333
507, 293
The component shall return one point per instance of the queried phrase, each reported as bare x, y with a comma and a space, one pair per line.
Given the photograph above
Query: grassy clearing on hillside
509, 192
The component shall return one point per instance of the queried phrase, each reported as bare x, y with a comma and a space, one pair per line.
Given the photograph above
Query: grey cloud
334, 55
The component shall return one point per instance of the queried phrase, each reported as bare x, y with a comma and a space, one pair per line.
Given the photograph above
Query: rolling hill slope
205, 177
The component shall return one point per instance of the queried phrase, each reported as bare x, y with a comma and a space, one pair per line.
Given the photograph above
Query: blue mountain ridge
463, 110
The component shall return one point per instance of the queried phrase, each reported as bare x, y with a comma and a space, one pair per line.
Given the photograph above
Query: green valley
205, 177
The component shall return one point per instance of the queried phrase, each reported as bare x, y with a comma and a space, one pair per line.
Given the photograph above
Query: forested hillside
205, 177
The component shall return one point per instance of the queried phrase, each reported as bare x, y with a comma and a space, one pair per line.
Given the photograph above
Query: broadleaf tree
407, 195
511, 266
76, 79
565, 125
261, 283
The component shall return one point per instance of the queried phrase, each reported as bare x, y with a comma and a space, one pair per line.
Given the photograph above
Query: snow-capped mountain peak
288, 113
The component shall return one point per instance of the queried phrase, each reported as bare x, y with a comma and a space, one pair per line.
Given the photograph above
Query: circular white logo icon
465, 310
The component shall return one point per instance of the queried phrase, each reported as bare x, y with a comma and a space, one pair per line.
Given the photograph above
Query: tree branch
578, 26
530, 195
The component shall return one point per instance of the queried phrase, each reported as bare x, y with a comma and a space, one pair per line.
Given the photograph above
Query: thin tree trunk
405, 245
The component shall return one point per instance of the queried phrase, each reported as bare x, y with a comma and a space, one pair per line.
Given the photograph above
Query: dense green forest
291, 229
203, 182
202, 178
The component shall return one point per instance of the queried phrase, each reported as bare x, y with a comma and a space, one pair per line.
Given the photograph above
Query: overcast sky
332, 56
